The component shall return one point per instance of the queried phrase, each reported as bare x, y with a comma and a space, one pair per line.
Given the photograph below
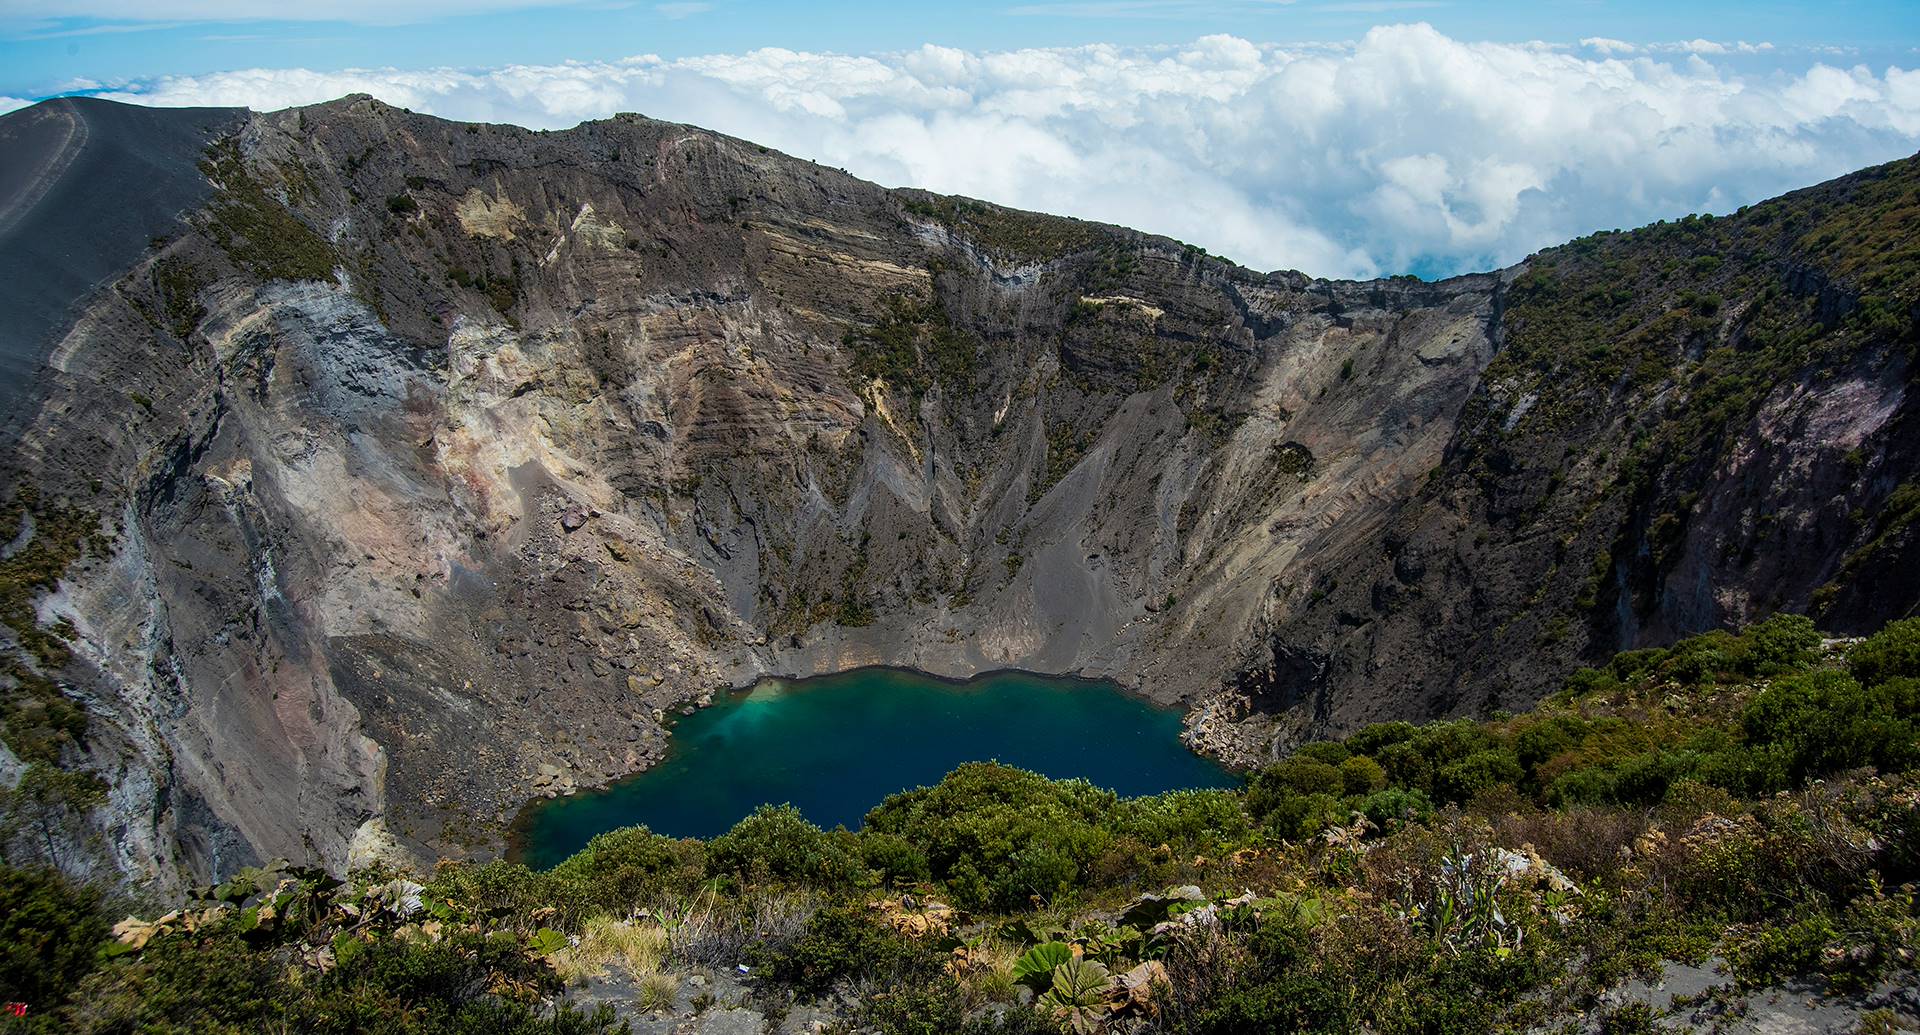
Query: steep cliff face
1689, 426
424, 466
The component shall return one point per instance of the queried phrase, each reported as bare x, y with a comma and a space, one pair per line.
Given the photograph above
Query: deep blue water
836, 745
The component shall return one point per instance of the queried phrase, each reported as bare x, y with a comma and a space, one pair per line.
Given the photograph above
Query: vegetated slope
432, 463
1740, 813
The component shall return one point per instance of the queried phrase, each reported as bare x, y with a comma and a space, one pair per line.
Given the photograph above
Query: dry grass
656, 992
637, 947
706, 930
1583, 840
985, 971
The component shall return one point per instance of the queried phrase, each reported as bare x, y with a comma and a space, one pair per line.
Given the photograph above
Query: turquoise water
836, 745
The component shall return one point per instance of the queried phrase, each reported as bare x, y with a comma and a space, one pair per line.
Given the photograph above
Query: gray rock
1705, 998
731, 1021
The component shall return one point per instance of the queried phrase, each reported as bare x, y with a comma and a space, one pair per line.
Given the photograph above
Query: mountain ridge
66, 230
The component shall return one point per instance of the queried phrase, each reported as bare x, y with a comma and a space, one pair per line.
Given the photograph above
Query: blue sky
1339, 137
48, 46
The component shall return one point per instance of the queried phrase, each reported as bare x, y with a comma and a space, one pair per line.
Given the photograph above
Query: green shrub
896, 859
1888, 654
1396, 806
1460, 781
437, 986
1824, 721
50, 930
1405, 765
999, 837
1194, 818
1777, 952
1646, 777
1630, 663
1282, 990
621, 868
1375, 736
213, 983
1292, 778
1745, 770
1630, 1019
1540, 741
466, 983
776, 842
922, 1010
1589, 681
842, 943
1443, 743
1302, 816
39, 722
1360, 775
1587, 785
1332, 752
1699, 658
1781, 643
913, 345
512, 889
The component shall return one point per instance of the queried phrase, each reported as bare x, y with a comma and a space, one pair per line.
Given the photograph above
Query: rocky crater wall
433, 465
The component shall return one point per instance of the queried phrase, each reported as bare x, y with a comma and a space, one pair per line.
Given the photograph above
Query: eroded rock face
586, 425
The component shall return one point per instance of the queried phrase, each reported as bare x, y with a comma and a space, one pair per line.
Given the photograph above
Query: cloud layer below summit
1404, 151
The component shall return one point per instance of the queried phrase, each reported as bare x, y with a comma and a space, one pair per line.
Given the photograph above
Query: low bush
777, 843
50, 933
845, 943
1891, 653
1001, 838
621, 868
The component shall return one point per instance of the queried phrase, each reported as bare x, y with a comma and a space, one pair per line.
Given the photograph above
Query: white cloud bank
1405, 150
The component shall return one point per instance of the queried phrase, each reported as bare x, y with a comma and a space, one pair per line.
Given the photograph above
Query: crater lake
834, 746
